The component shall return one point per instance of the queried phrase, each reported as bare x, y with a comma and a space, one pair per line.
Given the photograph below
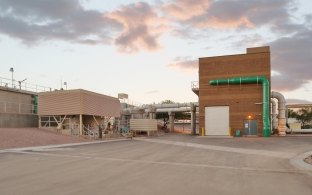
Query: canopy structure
66, 108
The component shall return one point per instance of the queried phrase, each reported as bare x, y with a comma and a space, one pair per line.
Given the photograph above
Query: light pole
20, 83
12, 70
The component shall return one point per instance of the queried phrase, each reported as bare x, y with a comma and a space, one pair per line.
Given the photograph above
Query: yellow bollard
202, 132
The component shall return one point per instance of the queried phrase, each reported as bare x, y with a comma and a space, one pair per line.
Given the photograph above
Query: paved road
171, 164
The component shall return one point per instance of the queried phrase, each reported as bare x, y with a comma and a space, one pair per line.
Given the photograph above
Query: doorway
217, 120
250, 127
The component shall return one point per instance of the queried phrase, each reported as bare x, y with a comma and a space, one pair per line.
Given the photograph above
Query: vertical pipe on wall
274, 119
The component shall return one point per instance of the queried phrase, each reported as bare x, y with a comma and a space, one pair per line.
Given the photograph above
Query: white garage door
217, 120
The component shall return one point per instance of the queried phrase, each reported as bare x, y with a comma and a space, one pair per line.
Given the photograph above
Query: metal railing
195, 85
20, 85
90, 132
130, 102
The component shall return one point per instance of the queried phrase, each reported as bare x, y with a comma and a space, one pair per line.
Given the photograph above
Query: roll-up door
217, 120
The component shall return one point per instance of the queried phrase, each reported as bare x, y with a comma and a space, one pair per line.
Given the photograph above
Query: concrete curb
299, 162
60, 145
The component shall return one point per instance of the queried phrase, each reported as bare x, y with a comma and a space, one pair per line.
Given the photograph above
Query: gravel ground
26, 137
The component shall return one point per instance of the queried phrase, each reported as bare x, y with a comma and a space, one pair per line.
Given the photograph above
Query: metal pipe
163, 110
274, 121
281, 112
265, 96
176, 105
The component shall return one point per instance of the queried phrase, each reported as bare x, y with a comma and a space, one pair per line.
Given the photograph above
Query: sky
150, 49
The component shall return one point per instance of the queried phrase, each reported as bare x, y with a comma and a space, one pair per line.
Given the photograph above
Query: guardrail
195, 85
21, 85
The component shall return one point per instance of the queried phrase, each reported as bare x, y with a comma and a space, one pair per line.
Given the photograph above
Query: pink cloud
215, 22
184, 63
226, 14
141, 27
185, 9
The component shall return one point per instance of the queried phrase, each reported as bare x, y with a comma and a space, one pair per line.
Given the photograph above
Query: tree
164, 115
292, 114
167, 102
303, 116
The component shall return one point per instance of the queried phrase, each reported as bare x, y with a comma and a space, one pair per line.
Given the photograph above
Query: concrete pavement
172, 164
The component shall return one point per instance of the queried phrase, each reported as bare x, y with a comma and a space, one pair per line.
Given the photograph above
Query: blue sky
149, 49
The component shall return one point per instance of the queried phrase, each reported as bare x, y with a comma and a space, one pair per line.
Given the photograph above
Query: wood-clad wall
143, 125
243, 100
72, 102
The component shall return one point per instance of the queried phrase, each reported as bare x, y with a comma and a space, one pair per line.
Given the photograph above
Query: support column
39, 121
193, 119
80, 124
171, 120
152, 112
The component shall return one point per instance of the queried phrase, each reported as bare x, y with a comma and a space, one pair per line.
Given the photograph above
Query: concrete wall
243, 100
15, 102
16, 109
8, 120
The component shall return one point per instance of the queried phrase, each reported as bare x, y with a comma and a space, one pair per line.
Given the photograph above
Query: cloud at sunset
141, 27
291, 58
184, 63
228, 13
182, 10
33, 21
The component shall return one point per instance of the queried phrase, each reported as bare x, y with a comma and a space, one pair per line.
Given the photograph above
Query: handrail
13, 84
195, 85
89, 132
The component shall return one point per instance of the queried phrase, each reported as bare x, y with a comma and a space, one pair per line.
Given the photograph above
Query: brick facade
243, 100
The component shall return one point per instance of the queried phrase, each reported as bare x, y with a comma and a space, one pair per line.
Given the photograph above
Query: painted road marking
283, 171
284, 155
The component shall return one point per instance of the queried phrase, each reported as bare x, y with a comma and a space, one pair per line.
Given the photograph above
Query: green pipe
265, 96
35, 103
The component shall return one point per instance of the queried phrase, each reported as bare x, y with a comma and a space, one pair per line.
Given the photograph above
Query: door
217, 120
250, 127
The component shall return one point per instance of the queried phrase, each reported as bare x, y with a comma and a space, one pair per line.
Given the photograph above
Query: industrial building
234, 98
234, 93
76, 112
